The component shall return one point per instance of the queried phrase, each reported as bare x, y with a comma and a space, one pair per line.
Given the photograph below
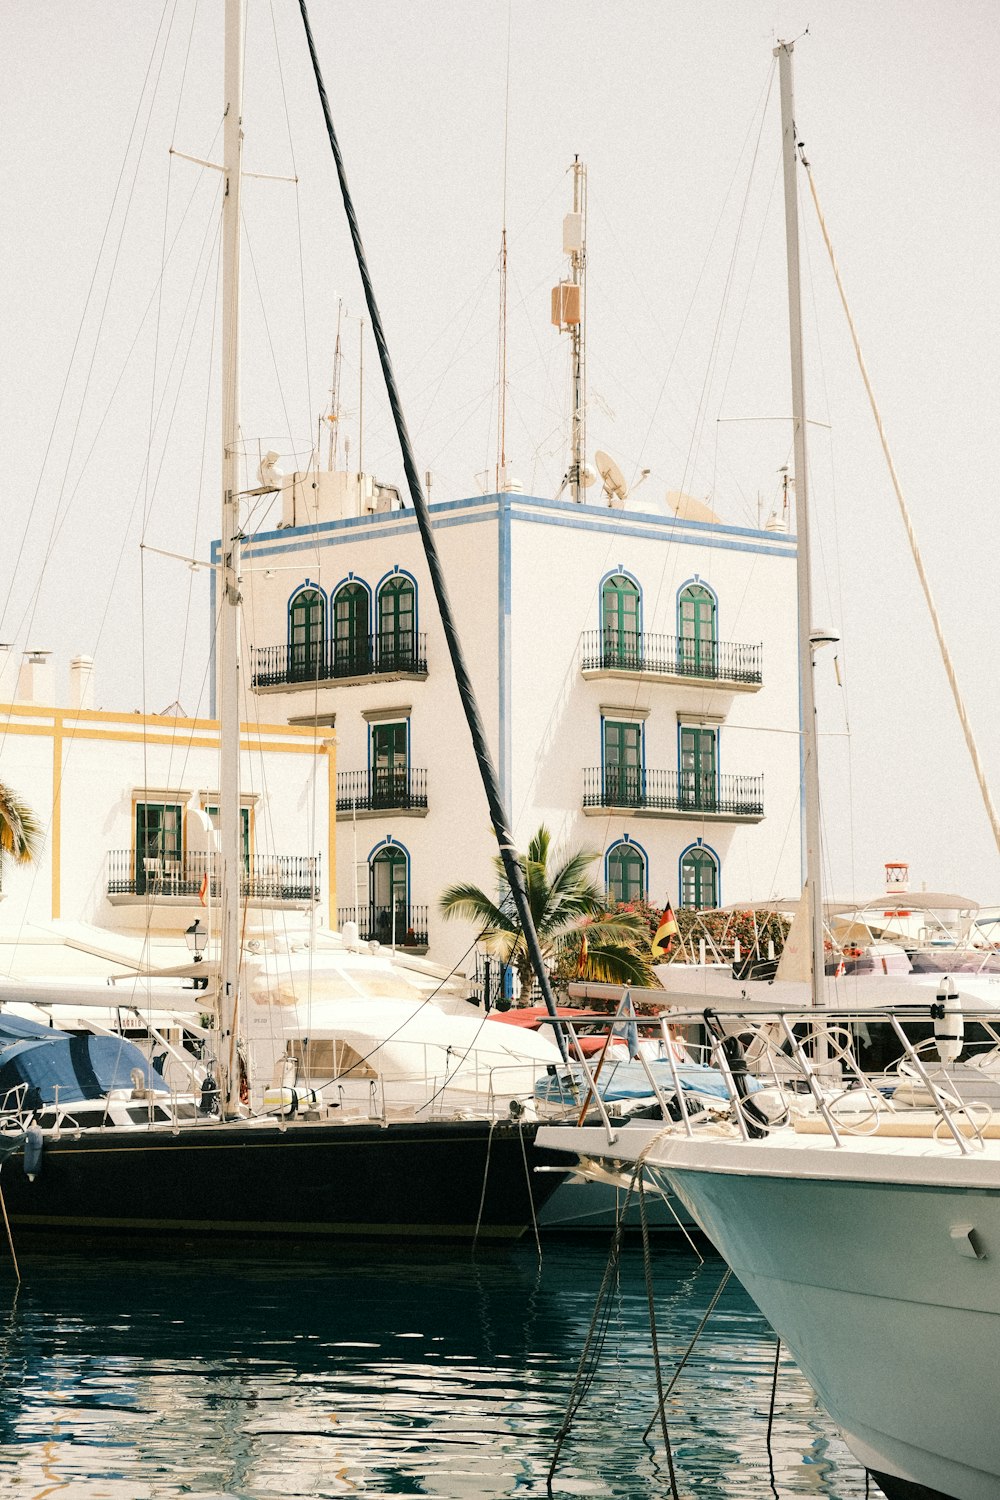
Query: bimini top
66, 1067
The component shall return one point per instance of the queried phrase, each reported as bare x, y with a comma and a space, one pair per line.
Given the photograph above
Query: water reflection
384, 1374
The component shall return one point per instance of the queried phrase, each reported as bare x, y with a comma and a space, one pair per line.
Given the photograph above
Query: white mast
807, 699
228, 637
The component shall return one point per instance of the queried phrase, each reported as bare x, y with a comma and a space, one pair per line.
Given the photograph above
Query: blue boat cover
622, 1080
79, 1065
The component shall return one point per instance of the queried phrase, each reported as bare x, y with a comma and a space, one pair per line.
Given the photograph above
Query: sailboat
868, 1234
112, 1159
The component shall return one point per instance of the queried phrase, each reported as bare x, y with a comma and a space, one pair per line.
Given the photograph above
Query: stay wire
484, 758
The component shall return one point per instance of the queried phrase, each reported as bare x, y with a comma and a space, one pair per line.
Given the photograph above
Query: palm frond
473, 905
21, 831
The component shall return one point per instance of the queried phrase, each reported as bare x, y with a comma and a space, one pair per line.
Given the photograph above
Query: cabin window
620, 621
696, 630
396, 615
328, 1058
623, 767
626, 878
306, 633
699, 879
351, 648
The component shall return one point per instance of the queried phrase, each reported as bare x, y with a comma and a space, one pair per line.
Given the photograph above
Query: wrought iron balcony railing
370, 791
270, 877
671, 656
402, 924
326, 661
674, 791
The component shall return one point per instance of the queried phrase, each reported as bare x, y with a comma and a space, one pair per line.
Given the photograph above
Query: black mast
487, 770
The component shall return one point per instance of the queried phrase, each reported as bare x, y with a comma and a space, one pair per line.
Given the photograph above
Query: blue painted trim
706, 849
683, 541
452, 512
504, 593
626, 842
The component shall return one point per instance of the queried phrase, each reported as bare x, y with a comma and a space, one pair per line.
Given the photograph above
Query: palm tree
20, 830
569, 910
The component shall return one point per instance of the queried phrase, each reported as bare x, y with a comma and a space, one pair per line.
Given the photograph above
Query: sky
455, 120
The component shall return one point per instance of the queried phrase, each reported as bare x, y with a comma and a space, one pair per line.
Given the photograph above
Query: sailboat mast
229, 615
807, 698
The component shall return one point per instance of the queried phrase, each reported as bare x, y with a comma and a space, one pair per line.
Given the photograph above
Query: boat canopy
57, 1066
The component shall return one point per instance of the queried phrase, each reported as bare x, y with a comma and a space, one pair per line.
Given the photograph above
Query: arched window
699, 878
388, 883
620, 621
351, 646
626, 873
396, 613
696, 629
306, 634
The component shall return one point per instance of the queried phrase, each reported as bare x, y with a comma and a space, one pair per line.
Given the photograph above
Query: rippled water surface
382, 1373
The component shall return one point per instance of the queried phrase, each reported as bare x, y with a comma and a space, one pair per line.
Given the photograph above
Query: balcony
402, 926
280, 668
277, 880
673, 794
670, 658
366, 794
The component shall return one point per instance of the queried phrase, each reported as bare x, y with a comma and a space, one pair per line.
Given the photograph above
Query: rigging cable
484, 758
949, 668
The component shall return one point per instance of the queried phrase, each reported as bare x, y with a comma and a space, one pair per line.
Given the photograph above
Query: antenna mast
569, 311
334, 418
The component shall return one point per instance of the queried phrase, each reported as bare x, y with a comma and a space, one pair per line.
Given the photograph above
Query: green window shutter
626, 874
389, 768
623, 769
620, 621
351, 650
697, 644
306, 631
699, 880
396, 610
698, 768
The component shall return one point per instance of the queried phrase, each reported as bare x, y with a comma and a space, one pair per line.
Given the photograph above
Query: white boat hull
867, 1285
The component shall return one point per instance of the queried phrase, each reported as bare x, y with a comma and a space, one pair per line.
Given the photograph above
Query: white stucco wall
524, 577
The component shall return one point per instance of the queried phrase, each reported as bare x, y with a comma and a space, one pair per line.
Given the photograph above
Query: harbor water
381, 1372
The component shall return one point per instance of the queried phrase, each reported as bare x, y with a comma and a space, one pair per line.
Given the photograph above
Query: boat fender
949, 1023
756, 1122
34, 1140
209, 1102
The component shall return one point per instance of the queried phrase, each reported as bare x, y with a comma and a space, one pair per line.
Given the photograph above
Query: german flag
666, 931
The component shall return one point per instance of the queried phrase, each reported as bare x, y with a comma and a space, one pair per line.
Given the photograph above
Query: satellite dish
687, 508
588, 476
614, 480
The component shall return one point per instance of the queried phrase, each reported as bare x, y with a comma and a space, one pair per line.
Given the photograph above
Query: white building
636, 673
129, 804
